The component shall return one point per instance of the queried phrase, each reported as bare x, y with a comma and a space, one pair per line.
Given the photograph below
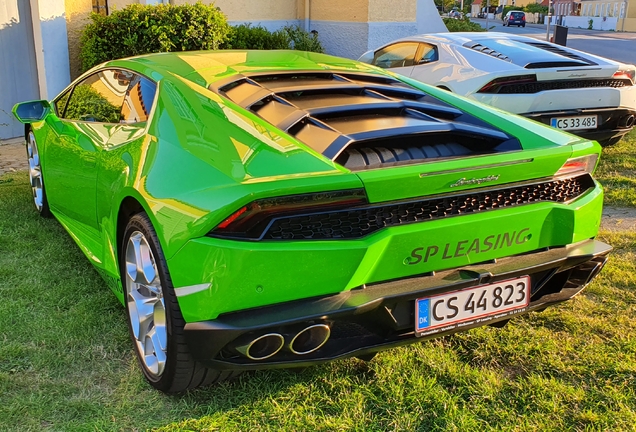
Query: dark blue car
517, 18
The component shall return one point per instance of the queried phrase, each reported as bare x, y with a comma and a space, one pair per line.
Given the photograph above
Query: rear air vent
348, 115
554, 64
556, 50
484, 49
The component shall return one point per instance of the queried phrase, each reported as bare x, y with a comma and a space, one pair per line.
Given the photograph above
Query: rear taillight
495, 85
578, 165
523, 18
629, 74
251, 221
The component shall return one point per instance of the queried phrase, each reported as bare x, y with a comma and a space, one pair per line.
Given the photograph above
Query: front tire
155, 322
36, 178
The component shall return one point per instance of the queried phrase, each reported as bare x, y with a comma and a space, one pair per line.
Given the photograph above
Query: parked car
268, 209
590, 96
517, 18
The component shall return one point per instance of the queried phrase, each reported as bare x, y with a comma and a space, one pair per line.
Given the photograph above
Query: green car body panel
201, 157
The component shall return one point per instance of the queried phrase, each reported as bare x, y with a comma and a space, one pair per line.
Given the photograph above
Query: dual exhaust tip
304, 342
627, 121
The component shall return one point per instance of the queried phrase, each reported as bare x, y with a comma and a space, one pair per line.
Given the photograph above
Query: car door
135, 113
87, 116
398, 57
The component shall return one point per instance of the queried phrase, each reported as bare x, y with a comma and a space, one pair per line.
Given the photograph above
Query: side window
397, 55
60, 104
138, 101
99, 98
429, 54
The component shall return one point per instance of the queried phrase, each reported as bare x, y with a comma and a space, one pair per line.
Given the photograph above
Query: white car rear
588, 95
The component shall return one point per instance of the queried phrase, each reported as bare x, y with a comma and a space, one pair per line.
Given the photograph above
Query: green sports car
274, 209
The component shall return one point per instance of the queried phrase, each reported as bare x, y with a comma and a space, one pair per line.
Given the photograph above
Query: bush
462, 25
507, 9
139, 29
302, 40
245, 36
536, 8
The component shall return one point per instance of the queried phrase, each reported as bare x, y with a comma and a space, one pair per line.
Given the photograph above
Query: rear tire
155, 322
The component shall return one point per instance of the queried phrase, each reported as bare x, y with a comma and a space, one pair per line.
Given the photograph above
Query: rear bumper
613, 123
375, 317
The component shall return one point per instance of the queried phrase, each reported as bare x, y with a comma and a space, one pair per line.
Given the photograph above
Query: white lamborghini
585, 94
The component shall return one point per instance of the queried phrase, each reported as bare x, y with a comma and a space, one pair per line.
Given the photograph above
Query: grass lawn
66, 362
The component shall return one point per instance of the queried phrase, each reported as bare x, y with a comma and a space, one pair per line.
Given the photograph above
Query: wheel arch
128, 207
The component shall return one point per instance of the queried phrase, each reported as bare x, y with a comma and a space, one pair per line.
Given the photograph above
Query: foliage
462, 25
536, 8
85, 101
139, 29
302, 40
507, 9
445, 5
590, 24
245, 36
617, 172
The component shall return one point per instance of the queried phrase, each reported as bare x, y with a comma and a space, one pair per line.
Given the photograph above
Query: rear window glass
138, 102
517, 14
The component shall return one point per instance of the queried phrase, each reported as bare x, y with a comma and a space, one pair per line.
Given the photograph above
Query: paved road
619, 46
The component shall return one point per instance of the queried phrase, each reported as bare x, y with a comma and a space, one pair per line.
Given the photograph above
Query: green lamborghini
275, 209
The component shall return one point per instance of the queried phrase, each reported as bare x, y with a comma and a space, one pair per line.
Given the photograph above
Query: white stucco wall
51, 44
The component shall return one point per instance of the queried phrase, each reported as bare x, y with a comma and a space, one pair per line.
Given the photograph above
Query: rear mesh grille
535, 87
358, 222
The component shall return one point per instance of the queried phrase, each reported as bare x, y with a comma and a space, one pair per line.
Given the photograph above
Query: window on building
100, 7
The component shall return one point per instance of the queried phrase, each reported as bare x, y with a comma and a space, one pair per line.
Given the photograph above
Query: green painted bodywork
201, 157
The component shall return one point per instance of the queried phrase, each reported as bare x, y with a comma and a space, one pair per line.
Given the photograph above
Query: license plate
577, 122
471, 306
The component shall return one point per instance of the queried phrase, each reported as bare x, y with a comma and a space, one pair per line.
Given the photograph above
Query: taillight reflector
578, 165
250, 221
494, 85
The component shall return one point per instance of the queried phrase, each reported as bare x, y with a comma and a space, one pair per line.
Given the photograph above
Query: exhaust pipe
310, 339
627, 121
263, 347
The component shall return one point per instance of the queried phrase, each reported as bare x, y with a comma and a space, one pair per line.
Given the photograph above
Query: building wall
348, 29
77, 13
253, 10
608, 15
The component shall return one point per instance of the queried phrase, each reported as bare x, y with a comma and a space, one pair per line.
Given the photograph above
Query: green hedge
245, 36
140, 29
507, 9
462, 25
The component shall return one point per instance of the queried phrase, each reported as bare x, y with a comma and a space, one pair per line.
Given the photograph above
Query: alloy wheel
35, 172
146, 306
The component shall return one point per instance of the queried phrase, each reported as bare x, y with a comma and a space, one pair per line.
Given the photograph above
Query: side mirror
31, 111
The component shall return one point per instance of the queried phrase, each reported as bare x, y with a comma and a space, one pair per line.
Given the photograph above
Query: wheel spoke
35, 172
146, 307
